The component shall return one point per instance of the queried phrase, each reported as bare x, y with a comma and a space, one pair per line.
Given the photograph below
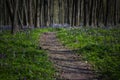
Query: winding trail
69, 66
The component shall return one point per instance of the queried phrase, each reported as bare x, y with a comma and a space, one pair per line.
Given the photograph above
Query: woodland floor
68, 65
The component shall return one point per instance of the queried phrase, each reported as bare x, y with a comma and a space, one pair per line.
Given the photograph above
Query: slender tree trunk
30, 19
25, 13
84, 22
115, 7
68, 11
90, 14
107, 12
37, 16
73, 10
13, 14
98, 12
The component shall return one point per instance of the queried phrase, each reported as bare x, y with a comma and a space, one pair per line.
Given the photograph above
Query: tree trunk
30, 19
107, 12
13, 14
84, 22
37, 16
115, 7
90, 14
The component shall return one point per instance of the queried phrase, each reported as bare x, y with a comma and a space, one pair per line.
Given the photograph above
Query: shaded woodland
82, 38
37, 13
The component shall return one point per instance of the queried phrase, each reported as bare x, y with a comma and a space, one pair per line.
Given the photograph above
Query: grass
101, 47
21, 57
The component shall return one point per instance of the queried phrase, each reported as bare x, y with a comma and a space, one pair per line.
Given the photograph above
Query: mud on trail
69, 65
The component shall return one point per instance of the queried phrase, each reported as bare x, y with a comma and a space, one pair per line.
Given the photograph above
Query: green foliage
21, 57
101, 47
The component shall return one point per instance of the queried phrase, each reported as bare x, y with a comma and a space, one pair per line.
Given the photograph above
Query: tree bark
13, 14
84, 22
37, 14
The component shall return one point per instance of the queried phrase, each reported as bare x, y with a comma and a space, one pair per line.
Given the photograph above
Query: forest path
69, 65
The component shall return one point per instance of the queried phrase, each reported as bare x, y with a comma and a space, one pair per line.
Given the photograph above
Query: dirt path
69, 65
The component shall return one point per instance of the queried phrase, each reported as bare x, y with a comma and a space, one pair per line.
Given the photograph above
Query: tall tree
84, 22
13, 14
37, 14
115, 11
107, 12
91, 11
30, 19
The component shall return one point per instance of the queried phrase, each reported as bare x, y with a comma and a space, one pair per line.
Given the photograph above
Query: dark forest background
37, 13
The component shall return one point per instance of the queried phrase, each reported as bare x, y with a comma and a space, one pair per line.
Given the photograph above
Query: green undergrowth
101, 47
21, 57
